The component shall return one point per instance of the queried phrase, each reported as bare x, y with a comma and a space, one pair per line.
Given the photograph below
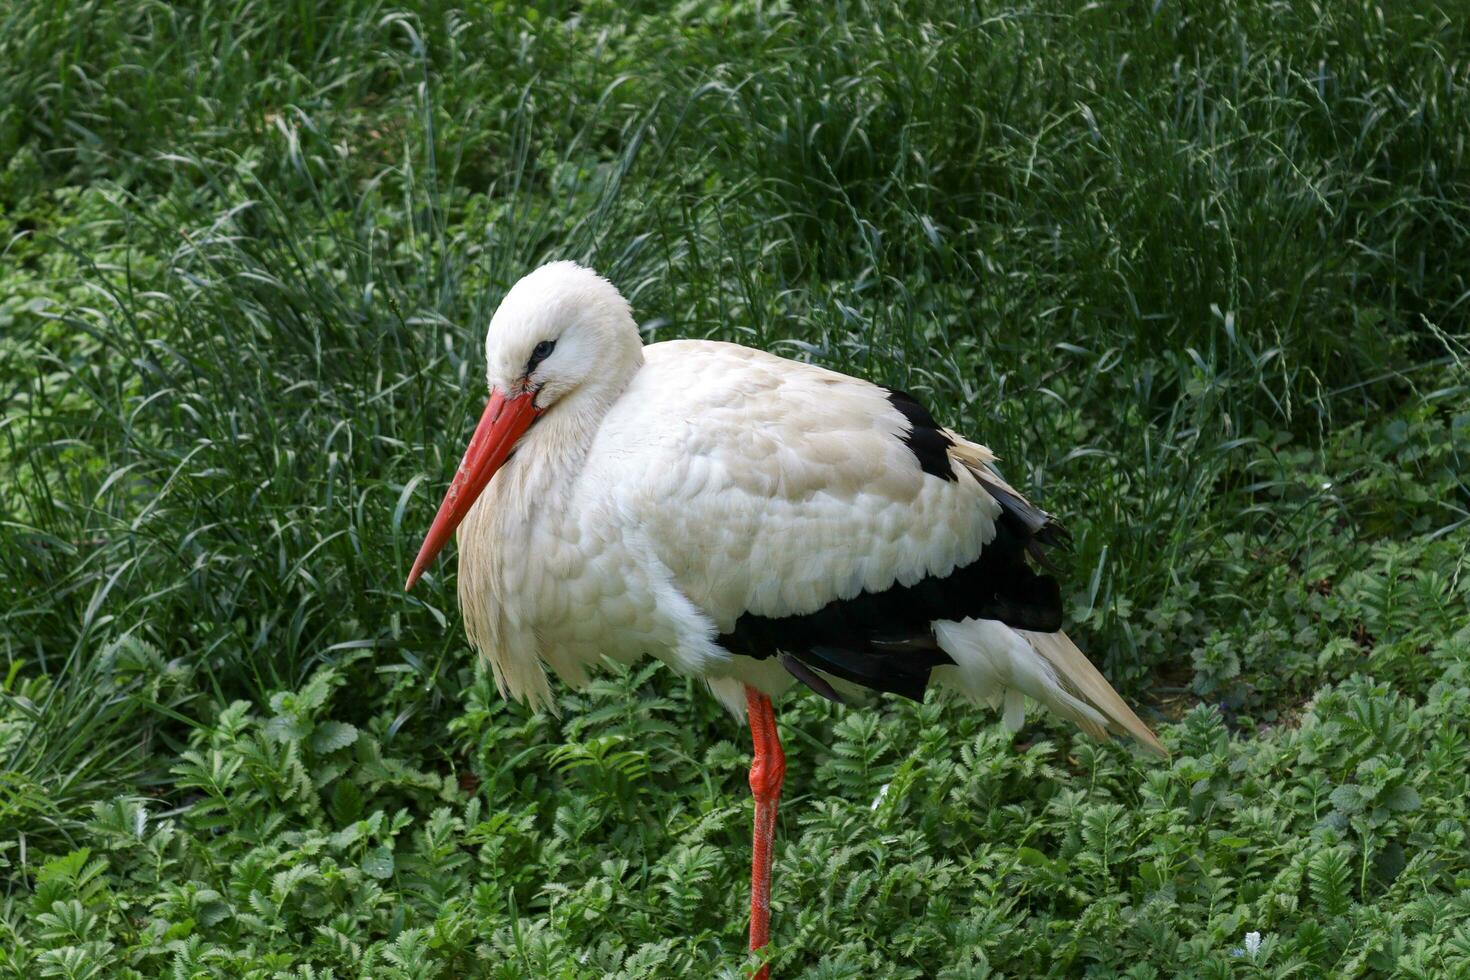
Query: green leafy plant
1196, 272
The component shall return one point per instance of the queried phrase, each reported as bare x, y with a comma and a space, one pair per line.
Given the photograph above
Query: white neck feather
552, 452
537, 486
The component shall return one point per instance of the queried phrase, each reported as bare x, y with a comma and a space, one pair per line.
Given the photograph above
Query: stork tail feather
997, 664
1088, 685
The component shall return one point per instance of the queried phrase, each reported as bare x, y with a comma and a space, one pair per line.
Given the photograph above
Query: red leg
767, 769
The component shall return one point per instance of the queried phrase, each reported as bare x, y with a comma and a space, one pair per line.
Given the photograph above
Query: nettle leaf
1347, 799
346, 802
213, 913
348, 835
378, 863
330, 736
1402, 798
285, 728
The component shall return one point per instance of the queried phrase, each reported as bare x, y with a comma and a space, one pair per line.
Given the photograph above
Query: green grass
1199, 273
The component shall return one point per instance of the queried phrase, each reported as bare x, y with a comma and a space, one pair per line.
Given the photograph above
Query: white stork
746, 519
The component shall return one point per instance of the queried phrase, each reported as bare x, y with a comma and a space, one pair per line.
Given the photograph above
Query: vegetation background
1199, 272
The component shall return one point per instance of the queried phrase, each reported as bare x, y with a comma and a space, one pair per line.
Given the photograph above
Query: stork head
558, 330
563, 340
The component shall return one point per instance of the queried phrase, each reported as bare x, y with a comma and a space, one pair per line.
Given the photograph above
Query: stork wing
810, 512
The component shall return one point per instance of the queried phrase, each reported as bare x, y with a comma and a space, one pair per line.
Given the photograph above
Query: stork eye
541, 352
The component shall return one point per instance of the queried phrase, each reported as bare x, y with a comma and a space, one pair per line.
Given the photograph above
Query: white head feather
596, 345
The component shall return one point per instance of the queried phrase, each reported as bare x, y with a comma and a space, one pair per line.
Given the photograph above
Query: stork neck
557, 445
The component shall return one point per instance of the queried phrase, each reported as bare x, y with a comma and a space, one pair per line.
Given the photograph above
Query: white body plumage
665, 492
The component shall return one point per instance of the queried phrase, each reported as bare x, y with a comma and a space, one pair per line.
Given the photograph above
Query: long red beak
505, 420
